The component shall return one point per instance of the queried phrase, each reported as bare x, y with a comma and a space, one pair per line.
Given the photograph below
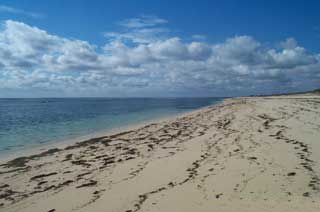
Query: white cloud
143, 22
145, 29
289, 43
291, 57
140, 35
12, 10
31, 58
199, 37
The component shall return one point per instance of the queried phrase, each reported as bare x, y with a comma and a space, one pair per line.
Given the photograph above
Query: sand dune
246, 154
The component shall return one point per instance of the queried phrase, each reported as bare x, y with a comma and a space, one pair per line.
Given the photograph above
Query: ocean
29, 123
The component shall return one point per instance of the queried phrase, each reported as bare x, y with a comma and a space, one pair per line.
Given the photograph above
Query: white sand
247, 154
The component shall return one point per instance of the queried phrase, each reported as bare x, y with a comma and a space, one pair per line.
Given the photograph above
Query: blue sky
158, 48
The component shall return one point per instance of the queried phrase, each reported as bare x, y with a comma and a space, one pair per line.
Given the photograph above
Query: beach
244, 154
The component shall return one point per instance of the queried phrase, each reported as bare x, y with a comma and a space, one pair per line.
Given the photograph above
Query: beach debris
45, 189
171, 184
68, 157
219, 195
83, 174
7, 193
65, 183
129, 158
306, 194
81, 162
4, 186
43, 175
42, 182
291, 174
101, 156
21, 161
93, 147
91, 183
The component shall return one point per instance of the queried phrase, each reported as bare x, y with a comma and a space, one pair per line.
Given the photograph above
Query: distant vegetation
316, 91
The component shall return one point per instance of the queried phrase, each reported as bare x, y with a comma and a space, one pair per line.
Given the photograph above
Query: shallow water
28, 123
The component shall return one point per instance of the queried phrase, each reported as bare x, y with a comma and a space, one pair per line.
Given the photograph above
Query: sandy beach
245, 154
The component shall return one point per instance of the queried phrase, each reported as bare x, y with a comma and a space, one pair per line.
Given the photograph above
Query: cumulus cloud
141, 59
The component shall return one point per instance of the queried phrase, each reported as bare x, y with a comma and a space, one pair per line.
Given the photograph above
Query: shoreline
244, 154
61, 144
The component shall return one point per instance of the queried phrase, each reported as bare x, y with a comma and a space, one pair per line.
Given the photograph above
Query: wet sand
246, 154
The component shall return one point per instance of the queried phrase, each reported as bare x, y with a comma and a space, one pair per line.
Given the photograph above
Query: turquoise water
28, 123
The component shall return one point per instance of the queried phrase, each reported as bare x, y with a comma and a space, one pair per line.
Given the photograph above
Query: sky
145, 48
